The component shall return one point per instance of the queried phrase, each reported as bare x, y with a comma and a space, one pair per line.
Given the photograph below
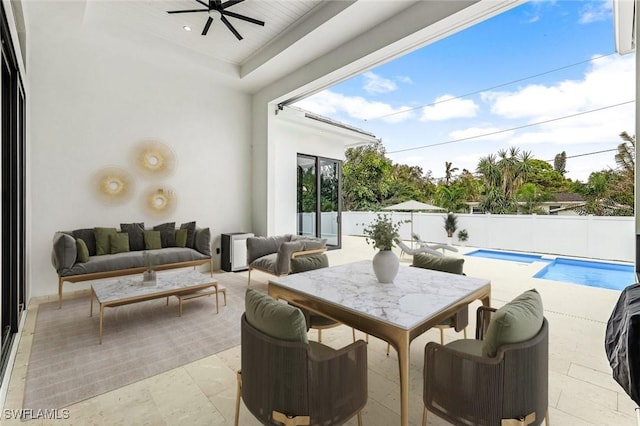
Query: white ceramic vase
385, 266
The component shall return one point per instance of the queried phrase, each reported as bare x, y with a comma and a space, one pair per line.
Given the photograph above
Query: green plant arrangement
382, 232
450, 224
463, 235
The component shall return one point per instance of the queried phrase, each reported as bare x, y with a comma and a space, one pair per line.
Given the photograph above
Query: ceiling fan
221, 8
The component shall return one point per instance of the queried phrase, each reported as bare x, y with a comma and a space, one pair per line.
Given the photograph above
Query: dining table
397, 312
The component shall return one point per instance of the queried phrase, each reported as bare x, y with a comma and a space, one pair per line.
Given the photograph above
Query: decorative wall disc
154, 158
113, 185
160, 200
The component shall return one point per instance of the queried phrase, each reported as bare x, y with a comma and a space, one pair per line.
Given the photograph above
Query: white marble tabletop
414, 295
133, 286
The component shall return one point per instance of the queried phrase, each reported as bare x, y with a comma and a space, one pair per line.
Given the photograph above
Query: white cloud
447, 107
331, 103
595, 11
609, 81
404, 79
376, 84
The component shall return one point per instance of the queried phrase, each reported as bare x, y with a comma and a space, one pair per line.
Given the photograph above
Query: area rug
68, 365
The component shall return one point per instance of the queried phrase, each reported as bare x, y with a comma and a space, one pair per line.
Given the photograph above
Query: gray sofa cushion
202, 241
266, 263
262, 246
64, 251
136, 234
89, 238
132, 259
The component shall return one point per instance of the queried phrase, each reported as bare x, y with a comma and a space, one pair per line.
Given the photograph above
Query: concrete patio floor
581, 390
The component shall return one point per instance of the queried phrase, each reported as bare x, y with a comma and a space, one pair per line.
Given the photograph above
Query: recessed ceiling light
186, 28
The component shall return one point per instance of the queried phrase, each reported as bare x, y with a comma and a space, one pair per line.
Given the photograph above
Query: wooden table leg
217, 308
91, 309
101, 317
402, 346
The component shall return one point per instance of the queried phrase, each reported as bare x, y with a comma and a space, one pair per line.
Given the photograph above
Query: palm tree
448, 172
625, 158
502, 176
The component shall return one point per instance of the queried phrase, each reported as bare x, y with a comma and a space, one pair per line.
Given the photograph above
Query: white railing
596, 237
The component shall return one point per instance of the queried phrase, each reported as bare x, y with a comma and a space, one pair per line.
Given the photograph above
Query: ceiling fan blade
203, 3
242, 17
231, 28
207, 25
187, 11
230, 3
217, 4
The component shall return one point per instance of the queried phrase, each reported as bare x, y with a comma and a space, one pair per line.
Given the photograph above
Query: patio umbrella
412, 206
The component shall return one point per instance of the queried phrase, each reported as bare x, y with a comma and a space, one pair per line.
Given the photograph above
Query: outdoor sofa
94, 253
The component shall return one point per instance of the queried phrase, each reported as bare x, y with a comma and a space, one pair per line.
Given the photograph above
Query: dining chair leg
388, 348
424, 415
359, 418
546, 418
441, 336
353, 333
319, 335
465, 332
249, 281
239, 393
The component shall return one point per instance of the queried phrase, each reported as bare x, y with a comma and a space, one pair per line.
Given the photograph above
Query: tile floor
581, 390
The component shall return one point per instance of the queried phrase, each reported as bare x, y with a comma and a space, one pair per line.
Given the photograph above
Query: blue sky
401, 101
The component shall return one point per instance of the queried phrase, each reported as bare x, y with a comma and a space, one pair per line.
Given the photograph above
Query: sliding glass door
318, 198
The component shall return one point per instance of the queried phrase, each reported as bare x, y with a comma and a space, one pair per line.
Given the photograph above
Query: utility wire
510, 129
586, 153
490, 88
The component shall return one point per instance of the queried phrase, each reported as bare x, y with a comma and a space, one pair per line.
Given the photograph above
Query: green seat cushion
103, 245
119, 242
83, 251
181, 237
273, 318
449, 264
468, 346
517, 321
309, 263
152, 240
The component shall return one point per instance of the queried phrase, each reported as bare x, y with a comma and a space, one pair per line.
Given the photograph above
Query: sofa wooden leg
238, 395
249, 282
60, 293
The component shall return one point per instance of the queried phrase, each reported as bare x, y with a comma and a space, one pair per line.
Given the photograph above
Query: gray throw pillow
64, 251
273, 318
449, 264
515, 322
202, 241
191, 233
136, 235
88, 236
167, 234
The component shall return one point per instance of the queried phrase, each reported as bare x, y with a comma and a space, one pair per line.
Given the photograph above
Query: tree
546, 178
502, 176
560, 163
450, 198
366, 177
625, 158
529, 197
409, 183
448, 172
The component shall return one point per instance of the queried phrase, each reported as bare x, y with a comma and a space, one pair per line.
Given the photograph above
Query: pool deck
581, 390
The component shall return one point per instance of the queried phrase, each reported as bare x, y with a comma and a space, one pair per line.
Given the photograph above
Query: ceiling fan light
186, 28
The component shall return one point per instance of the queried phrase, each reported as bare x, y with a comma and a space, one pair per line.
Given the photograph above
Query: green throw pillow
449, 264
119, 242
278, 320
309, 263
83, 251
152, 240
102, 240
517, 321
181, 238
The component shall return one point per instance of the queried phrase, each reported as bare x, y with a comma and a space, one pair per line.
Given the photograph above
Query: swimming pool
612, 276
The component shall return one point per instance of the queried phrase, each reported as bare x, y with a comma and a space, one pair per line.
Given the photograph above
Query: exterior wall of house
93, 99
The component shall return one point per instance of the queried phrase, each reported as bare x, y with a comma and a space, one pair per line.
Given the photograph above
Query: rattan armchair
293, 383
510, 389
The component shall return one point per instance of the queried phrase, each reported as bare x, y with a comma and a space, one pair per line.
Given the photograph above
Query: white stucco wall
291, 134
93, 99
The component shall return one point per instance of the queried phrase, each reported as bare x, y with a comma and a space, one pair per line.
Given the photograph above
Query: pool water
612, 276
594, 274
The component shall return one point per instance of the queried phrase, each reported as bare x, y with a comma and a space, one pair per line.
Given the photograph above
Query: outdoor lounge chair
421, 243
406, 249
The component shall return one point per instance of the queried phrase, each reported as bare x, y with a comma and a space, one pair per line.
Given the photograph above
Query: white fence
596, 237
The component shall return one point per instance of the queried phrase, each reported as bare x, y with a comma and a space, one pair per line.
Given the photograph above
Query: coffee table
131, 289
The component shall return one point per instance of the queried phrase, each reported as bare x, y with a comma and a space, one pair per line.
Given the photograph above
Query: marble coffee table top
414, 295
166, 281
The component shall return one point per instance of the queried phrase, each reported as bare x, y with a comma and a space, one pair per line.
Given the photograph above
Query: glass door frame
318, 202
